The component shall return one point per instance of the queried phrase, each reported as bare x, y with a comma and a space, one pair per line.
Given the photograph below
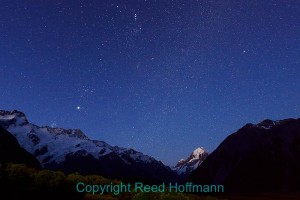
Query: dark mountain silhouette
257, 158
12, 152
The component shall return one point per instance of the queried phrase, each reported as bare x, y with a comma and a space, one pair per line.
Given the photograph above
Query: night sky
162, 77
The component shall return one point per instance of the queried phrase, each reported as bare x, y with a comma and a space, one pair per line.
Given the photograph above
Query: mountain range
70, 150
258, 158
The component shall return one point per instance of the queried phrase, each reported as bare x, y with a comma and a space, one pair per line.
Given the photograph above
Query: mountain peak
186, 166
12, 117
197, 152
13, 112
267, 124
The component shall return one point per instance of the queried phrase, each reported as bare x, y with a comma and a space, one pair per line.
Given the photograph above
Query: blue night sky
162, 77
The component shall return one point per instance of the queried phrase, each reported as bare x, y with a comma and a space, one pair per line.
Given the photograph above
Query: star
149, 67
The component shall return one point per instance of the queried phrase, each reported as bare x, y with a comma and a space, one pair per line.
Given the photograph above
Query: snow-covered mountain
71, 150
185, 166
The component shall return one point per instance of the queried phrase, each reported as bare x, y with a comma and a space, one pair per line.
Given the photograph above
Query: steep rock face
12, 152
184, 167
70, 150
257, 158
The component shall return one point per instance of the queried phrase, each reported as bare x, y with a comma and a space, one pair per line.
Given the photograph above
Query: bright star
78, 107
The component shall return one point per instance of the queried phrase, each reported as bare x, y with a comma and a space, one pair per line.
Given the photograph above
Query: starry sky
162, 77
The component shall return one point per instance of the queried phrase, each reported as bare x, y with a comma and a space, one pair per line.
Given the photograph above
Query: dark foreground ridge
12, 152
257, 158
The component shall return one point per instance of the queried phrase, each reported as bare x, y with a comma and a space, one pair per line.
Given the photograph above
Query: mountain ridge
71, 150
263, 157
